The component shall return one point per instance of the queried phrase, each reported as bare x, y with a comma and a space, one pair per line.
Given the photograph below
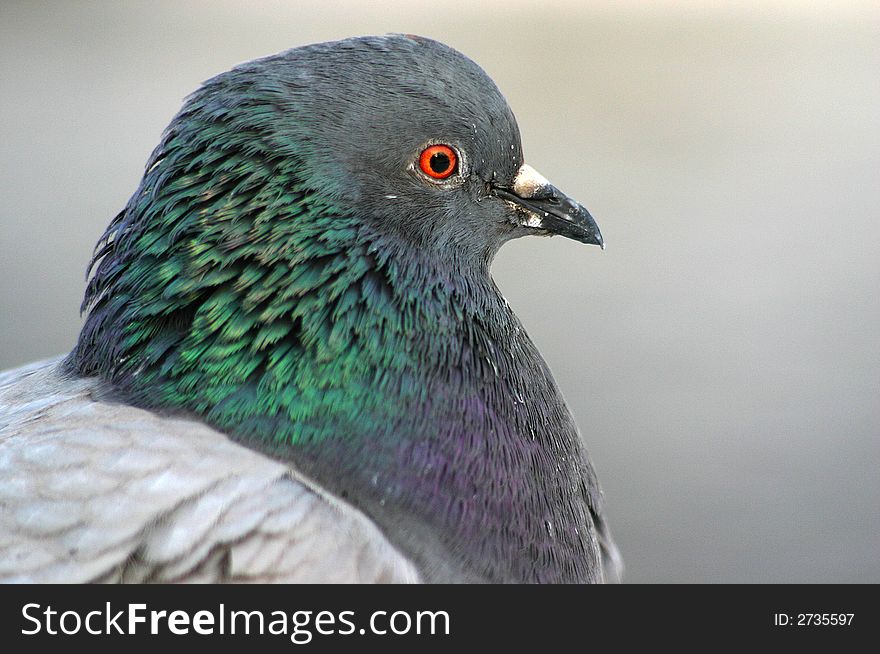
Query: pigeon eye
438, 161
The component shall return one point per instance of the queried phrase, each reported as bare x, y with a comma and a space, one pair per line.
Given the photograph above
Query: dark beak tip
595, 239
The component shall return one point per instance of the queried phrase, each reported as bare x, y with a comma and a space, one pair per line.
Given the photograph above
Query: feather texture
99, 491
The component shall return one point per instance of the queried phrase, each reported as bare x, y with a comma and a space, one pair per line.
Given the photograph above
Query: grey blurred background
722, 356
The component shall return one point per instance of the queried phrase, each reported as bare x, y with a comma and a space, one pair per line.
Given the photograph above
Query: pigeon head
407, 132
305, 267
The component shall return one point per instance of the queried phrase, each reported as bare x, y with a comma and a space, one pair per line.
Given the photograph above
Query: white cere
528, 181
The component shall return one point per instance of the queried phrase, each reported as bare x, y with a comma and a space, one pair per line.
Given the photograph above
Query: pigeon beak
544, 207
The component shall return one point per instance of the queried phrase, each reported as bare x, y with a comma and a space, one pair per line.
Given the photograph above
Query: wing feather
96, 491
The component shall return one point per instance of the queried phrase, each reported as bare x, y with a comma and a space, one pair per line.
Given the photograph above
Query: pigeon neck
402, 384
459, 444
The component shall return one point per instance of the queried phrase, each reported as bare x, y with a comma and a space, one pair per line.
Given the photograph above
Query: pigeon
295, 365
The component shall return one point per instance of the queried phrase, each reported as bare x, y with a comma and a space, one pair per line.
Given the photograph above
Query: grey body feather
96, 491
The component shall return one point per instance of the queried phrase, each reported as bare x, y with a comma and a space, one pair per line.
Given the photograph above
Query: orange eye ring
438, 161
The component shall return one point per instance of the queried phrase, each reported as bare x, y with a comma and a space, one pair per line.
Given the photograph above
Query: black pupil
439, 162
